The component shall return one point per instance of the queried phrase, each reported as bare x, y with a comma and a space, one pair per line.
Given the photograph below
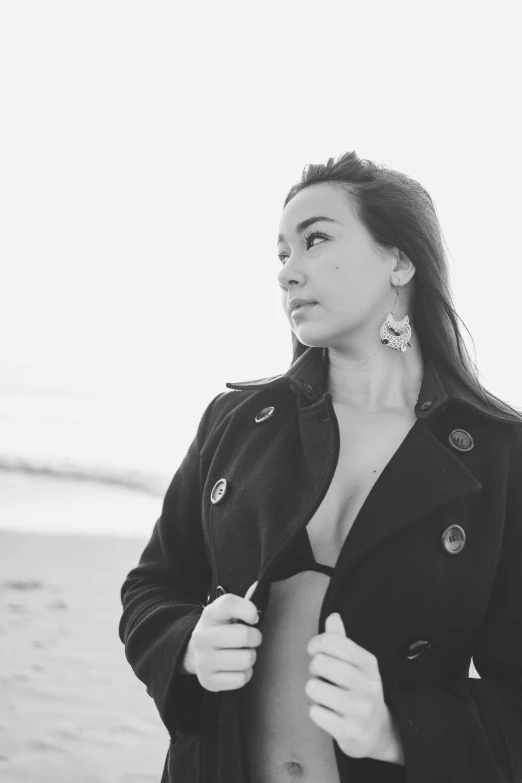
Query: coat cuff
180, 698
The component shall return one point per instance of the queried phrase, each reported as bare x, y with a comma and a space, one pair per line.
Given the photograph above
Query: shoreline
153, 483
36, 503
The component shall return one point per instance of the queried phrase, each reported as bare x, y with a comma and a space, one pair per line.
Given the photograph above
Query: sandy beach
71, 708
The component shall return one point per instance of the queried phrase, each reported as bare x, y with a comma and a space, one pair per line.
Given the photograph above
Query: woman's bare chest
367, 444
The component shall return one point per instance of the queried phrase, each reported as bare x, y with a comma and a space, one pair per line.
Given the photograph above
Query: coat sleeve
164, 595
470, 730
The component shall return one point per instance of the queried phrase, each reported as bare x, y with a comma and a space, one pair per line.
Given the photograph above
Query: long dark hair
399, 212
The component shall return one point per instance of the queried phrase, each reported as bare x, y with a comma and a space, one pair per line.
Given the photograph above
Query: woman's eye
308, 238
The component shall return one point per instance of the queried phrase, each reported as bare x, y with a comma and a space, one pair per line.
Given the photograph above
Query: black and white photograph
260, 392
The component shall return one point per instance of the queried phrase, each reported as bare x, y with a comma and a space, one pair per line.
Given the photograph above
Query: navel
294, 768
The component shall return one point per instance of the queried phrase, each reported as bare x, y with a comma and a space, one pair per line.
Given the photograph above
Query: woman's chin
311, 337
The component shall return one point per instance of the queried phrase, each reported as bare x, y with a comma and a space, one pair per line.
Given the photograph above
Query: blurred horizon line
151, 482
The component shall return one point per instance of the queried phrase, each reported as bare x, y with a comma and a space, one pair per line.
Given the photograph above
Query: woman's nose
289, 273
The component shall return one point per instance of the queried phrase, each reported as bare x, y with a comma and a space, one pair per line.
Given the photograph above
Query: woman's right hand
222, 653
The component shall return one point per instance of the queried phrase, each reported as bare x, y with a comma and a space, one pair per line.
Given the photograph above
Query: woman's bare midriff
283, 741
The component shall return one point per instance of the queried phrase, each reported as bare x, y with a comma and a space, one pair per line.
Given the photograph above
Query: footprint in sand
42, 644
20, 677
58, 604
17, 608
31, 584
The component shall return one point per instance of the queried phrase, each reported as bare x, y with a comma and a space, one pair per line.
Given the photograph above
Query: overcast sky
147, 147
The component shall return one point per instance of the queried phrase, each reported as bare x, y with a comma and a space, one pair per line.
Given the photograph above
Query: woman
368, 503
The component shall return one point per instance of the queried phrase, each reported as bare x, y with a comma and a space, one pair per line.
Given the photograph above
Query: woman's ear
404, 266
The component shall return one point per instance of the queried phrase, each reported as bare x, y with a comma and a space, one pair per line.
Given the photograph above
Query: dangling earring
396, 334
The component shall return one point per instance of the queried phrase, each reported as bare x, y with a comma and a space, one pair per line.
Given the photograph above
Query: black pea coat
430, 574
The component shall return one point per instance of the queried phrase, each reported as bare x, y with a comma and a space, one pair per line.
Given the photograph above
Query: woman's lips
304, 308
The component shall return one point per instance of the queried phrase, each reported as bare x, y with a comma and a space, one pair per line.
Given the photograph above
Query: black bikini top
299, 558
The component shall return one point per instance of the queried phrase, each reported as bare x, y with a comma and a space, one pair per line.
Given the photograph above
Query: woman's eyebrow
305, 223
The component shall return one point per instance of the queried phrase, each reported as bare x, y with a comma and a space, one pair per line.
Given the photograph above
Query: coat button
218, 491
426, 405
417, 648
264, 414
454, 539
461, 440
308, 388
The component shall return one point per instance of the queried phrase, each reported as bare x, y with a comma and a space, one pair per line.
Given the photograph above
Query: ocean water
76, 456
53, 504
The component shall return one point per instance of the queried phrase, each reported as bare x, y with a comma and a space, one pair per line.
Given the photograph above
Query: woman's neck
389, 380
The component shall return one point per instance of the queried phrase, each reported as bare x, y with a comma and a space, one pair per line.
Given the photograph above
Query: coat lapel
420, 478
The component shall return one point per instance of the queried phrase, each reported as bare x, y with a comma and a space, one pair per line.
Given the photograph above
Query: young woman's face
340, 270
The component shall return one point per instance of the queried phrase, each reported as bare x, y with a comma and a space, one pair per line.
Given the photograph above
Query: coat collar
307, 377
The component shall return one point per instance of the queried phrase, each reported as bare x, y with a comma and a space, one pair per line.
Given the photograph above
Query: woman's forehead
317, 200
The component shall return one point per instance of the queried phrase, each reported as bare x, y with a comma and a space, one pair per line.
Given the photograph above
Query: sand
71, 708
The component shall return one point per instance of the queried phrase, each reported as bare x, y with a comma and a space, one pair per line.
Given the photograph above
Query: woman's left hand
351, 705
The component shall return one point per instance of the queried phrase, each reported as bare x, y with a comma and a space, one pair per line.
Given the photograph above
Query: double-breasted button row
219, 490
